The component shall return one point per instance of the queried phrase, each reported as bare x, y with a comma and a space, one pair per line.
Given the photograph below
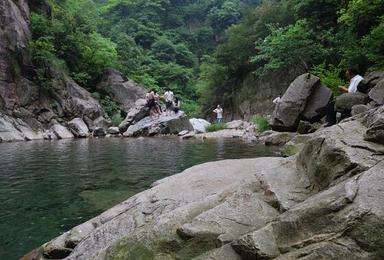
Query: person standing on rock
176, 106
168, 96
219, 114
151, 102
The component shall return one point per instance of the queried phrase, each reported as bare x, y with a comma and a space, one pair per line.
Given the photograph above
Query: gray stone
99, 132
172, 124
8, 132
259, 244
345, 102
61, 132
336, 153
288, 111
199, 125
373, 78
315, 107
102, 122
135, 114
78, 128
113, 131
304, 127
358, 109
121, 89
237, 124
276, 138
377, 93
374, 121
183, 133
81, 101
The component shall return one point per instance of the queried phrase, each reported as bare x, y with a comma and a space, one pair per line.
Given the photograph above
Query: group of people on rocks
172, 103
352, 75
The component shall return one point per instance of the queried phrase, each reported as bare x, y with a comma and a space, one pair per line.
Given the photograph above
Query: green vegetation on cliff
322, 36
158, 43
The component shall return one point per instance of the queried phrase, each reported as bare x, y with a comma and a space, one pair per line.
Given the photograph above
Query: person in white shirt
354, 78
168, 96
219, 114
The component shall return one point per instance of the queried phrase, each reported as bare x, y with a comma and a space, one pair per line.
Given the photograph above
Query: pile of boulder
325, 202
305, 101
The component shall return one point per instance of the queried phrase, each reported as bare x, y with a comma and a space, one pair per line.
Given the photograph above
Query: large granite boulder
121, 89
374, 120
338, 152
81, 101
12, 129
377, 93
61, 132
288, 111
163, 124
78, 128
345, 102
343, 222
371, 79
199, 125
224, 199
315, 107
135, 114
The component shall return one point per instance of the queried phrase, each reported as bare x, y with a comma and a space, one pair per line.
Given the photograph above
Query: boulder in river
288, 111
135, 114
12, 129
78, 128
121, 89
163, 124
61, 132
199, 125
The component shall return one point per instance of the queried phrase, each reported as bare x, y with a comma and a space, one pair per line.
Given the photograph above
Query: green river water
46, 188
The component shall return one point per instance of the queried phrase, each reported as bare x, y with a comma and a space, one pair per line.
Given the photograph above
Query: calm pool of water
46, 188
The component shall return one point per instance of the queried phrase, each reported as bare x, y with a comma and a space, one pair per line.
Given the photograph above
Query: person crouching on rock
354, 78
151, 103
176, 105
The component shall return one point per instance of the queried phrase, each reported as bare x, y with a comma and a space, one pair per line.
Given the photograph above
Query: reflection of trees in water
49, 187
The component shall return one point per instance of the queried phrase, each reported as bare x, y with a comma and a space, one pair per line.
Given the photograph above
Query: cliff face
255, 94
14, 60
26, 112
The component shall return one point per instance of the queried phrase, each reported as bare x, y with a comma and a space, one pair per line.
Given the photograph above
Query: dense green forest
321, 36
201, 49
158, 43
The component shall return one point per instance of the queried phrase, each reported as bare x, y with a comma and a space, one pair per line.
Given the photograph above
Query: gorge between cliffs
91, 168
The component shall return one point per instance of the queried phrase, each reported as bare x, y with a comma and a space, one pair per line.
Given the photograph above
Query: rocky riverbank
324, 201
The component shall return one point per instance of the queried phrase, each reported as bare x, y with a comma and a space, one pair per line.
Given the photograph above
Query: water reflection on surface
47, 188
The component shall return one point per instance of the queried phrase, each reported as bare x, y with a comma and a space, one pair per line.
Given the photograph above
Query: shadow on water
46, 188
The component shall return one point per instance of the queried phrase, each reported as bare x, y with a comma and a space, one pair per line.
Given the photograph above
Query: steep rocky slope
27, 111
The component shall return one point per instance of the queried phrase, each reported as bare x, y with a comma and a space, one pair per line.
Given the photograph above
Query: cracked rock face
324, 203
